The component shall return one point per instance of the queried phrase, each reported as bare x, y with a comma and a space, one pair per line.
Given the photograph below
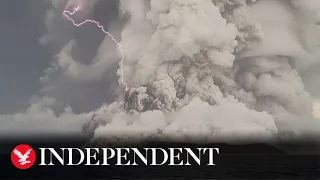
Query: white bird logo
22, 158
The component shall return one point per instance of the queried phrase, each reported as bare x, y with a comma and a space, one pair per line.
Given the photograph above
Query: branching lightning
67, 14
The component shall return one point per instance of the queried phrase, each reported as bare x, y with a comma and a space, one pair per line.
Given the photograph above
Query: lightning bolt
67, 14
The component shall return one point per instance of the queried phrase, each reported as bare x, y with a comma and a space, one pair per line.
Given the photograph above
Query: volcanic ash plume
188, 84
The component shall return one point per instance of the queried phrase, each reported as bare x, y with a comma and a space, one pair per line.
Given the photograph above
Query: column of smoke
208, 70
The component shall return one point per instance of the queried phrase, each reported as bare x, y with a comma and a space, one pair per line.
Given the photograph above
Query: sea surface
256, 161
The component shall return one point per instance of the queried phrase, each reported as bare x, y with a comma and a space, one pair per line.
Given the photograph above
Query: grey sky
22, 58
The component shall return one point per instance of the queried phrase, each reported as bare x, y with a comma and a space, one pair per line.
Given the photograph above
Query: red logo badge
23, 156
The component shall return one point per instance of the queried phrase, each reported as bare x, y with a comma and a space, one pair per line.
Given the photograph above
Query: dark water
238, 167
271, 166
255, 161
227, 167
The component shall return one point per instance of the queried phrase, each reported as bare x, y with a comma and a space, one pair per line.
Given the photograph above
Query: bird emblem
22, 158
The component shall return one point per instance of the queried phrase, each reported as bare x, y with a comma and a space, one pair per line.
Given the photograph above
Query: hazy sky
22, 58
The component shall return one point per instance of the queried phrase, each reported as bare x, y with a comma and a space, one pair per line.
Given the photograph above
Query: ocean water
228, 167
234, 162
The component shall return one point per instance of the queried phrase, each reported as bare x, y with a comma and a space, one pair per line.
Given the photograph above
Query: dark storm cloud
81, 95
25, 24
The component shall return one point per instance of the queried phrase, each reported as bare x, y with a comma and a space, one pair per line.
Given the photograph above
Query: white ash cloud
212, 70
185, 45
195, 122
40, 119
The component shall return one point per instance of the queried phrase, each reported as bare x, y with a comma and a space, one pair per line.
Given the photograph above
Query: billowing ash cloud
212, 70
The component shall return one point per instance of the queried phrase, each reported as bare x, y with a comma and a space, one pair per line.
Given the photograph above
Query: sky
22, 58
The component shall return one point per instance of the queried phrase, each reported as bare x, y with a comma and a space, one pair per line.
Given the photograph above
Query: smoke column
211, 70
